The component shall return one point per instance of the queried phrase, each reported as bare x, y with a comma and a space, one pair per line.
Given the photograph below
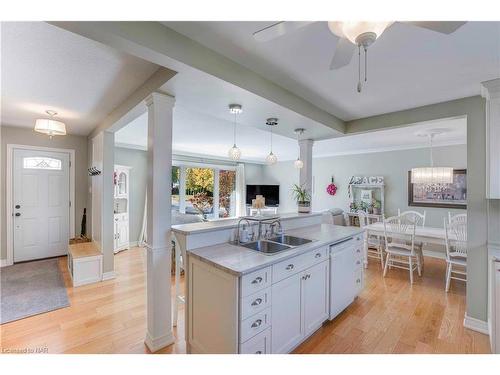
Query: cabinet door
122, 233
116, 239
286, 317
343, 288
315, 287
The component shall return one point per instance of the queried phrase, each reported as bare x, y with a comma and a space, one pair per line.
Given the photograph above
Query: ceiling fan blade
343, 54
444, 27
278, 29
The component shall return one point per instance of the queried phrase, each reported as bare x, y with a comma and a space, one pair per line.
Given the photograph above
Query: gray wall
477, 205
137, 160
392, 165
26, 136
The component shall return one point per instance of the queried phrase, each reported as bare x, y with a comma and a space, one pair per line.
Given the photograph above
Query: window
227, 194
38, 162
175, 187
199, 195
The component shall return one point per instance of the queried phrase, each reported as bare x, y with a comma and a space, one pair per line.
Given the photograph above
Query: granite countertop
208, 226
238, 260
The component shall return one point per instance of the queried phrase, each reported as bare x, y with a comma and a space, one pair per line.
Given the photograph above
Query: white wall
393, 165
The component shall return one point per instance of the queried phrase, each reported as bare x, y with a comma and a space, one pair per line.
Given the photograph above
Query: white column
159, 299
490, 90
305, 179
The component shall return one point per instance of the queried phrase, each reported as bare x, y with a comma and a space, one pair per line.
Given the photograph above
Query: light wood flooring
390, 316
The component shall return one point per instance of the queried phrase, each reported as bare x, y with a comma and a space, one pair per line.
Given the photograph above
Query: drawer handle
318, 255
258, 352
358, 281
257, 302
257, 280
257, 323
358, 250
305, 277
290, 267
358, 262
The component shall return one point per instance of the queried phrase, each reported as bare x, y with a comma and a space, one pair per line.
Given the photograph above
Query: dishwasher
346, 275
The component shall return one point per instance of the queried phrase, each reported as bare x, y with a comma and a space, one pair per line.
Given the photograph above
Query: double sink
276, 244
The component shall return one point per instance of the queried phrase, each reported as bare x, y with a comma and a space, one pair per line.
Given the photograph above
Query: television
270, 192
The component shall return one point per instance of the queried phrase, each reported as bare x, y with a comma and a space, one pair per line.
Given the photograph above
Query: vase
304, 207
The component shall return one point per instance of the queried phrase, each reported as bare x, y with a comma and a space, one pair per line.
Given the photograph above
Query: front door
40, 204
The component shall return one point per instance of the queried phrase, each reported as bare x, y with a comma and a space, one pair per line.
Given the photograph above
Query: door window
37, 162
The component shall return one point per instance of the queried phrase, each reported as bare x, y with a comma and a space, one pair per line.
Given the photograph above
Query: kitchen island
241, 301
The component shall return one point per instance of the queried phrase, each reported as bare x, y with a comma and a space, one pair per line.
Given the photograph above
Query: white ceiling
408, 66
205, 136
44, 67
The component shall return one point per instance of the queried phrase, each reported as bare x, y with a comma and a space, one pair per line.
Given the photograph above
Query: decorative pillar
490, 90
159, 299
305, 179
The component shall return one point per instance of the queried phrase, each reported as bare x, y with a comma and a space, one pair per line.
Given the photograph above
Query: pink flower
331, 189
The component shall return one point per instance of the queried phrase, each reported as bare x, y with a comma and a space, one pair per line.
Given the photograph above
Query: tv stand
265, 211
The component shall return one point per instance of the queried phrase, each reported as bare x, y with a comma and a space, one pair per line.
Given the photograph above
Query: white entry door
40, 204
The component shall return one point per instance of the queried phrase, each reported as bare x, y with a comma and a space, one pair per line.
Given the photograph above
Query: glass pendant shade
432, 175
234, 153
351, 30
50, 127
271, 159
298, 163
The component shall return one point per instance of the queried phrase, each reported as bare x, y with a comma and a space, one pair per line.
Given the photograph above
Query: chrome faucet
272, 226
238, 234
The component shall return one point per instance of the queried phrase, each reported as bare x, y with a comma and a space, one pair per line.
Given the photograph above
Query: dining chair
456, 251
375, 243
461, 218
418, 219
400, 246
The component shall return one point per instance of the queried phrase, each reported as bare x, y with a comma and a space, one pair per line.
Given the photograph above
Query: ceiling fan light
234, 153
352, 29
271, 159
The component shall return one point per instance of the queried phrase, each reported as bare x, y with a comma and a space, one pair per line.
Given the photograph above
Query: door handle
18, 214
18, 206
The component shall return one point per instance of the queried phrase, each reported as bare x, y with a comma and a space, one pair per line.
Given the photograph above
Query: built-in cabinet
270, 310
121, 208
490, 90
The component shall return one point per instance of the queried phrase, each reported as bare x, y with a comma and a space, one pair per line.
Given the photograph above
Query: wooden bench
84, 263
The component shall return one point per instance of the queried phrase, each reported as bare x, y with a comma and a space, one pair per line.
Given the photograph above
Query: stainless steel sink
266, 247
290, 240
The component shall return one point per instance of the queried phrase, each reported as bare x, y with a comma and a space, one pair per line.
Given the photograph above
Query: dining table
423, 234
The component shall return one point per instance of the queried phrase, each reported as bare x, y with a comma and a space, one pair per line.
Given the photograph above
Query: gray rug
31, 288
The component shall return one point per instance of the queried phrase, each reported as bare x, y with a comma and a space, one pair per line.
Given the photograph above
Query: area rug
31, 288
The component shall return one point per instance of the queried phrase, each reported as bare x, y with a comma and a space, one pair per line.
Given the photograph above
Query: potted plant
303, 198
376, 207
353, 206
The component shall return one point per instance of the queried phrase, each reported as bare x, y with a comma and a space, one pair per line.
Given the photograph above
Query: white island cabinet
241, 301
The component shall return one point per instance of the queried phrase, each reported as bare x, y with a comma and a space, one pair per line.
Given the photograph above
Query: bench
84, 263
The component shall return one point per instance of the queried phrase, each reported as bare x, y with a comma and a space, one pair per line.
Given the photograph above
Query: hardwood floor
388, 317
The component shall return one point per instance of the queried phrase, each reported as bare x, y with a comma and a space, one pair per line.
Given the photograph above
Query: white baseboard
108, 275
4, 263
434, 254
159, 343
134, 243
476, 325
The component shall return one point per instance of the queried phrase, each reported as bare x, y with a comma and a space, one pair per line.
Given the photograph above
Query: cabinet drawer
296, 264
255, 281
255, 324
259, 344
256, 302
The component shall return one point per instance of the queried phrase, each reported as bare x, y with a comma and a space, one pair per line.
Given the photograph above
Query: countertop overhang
238, 260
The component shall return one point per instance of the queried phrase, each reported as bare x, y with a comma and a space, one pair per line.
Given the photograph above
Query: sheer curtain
240, 190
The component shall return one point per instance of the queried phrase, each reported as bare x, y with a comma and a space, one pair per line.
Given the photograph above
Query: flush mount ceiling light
271, 158
234, 152
50, 126
299, 164
433, 177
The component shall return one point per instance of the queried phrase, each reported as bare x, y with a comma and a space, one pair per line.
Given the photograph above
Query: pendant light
50, 126
234, 152
433, 177
271, 158
299, 164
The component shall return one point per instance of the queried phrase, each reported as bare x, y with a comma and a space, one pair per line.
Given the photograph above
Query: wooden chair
456, 251
418, 219
400, 246
375, 245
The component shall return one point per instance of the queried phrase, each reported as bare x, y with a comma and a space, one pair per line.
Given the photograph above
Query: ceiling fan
352, 34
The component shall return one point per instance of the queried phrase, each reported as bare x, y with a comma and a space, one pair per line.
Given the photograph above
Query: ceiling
408, 66
197, 134
44, 67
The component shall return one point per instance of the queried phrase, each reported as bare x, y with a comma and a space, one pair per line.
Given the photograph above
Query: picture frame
453, 197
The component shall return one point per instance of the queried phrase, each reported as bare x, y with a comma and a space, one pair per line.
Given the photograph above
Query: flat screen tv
270, 192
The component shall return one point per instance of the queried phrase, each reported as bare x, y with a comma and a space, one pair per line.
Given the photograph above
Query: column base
160, 342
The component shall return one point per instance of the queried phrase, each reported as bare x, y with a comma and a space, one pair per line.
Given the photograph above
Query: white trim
130, 146
134, 243
8, 181
108, 275
3, 263
476, 324
158, 343
434, 254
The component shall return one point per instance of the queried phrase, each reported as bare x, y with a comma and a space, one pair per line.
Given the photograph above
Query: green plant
376, 204
300, 193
